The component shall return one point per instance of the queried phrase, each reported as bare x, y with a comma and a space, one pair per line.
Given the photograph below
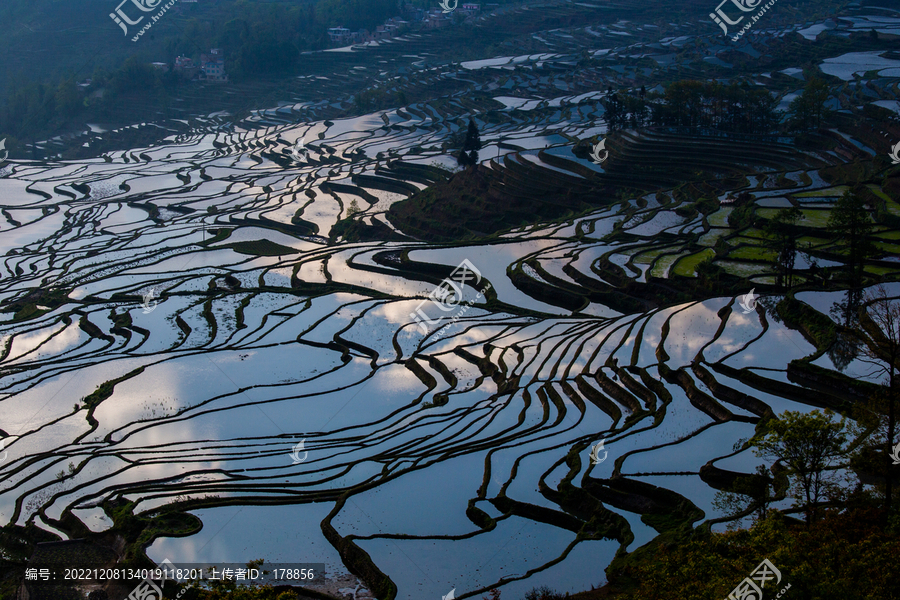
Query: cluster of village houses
413, 18
211, 66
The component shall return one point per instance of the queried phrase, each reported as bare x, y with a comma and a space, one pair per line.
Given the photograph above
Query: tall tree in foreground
807, 444
615, 113
851, 223
807, 111
783, 238
468, 156
879, 324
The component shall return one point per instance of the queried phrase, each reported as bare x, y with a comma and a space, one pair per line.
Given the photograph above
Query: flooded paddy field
227, 327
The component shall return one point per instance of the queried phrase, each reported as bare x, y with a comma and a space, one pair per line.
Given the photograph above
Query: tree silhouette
807, 111
851, 223
808, 444
614, 113
468, 156
782, 236
879, 328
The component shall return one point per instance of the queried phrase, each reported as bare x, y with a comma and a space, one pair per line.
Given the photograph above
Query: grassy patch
742, 269
811, 217
663, 264
646, 258
687, 265
815, 241
836, 192
878, 192
105, 389
757, 234
710, 237
892, 207
720, 217
753, 253
879, 270
892, 248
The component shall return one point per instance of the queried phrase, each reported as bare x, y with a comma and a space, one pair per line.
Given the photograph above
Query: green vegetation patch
892, 207
812, 217
807, 240
105, 389
758, 234
720, 217
753, 253
687, 266
663, 264
878, 192
891, 248
880, 270
835, 192
712, 236
742, 269
646, 258
711, 565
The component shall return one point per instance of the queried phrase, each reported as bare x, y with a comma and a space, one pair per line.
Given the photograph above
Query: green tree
846, 555
615, 112
782, 234
468, 156
851, 223
685, 98
807, 111
879, 326
68, 100
762, 116
807, 444
135, 75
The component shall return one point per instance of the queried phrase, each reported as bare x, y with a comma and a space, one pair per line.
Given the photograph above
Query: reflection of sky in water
492, 262
278, 534
691, 454
247, 405
431, 568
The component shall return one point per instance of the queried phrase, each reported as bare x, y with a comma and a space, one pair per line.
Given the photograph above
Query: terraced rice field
179, 317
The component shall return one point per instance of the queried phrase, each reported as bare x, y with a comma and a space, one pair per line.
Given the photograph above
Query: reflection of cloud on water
65, 338
397, 312
396, 378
